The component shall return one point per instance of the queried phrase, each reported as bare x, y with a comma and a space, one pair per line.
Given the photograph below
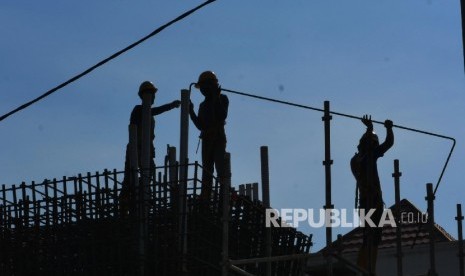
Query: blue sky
393, 59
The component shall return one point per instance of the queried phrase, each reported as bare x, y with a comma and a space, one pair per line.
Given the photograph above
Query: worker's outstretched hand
176, 104
388, 124
366, 120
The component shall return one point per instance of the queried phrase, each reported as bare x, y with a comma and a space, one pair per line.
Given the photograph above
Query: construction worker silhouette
136, 119
211, 120
365, 171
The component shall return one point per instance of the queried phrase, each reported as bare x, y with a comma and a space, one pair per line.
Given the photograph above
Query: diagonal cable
358, 118
115, 55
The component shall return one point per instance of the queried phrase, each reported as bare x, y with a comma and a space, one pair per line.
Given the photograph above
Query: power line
115, 55
357, 118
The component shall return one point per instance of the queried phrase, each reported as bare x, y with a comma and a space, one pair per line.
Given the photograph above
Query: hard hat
147, 86
206, 76
369, 136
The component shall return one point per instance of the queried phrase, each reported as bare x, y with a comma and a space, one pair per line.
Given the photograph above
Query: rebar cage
79, 226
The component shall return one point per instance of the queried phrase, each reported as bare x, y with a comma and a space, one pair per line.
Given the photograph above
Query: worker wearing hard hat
210, 120
136, 114
365, 171
136, 119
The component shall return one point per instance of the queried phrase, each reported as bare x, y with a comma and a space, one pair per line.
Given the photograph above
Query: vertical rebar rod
134, 189
65, 199
397, 174
459, 219
430, 198
242, 189
55, 202
35, 208
226, 185
183, 159
82, 198
196, 175
4, 195
112, 198
248, 191
265, 171
172, 166
91, 199
47, 200
15, 202
255, 192
327, 163
99, 197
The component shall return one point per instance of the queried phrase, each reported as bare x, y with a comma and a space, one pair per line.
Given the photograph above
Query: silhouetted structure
73, 226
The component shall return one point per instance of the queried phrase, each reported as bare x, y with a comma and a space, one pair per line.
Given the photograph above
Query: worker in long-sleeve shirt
136, 119
365, 171
210, 120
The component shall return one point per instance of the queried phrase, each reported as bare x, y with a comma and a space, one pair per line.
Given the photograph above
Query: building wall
416, 261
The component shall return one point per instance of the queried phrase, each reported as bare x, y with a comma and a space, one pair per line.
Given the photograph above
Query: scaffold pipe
399, 255
225, 182
265, 170
459, 219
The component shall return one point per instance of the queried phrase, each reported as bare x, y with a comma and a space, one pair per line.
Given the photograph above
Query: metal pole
146, 150
146, 138
183, 171
226, 185
265, 170
327, 163
370, 205
459, 219
430, 198
184, 139
397, 174
462, 4
173, 180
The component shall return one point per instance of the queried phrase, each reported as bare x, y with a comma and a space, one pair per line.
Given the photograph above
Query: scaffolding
83, 225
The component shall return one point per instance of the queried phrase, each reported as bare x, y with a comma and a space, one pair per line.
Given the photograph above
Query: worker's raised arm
166, 107
389, 141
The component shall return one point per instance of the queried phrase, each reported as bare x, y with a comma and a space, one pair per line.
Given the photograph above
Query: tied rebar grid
77, 226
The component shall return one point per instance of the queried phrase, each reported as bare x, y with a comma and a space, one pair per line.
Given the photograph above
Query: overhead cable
113, 56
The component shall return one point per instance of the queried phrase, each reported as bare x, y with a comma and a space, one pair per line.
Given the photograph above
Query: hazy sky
393, 59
